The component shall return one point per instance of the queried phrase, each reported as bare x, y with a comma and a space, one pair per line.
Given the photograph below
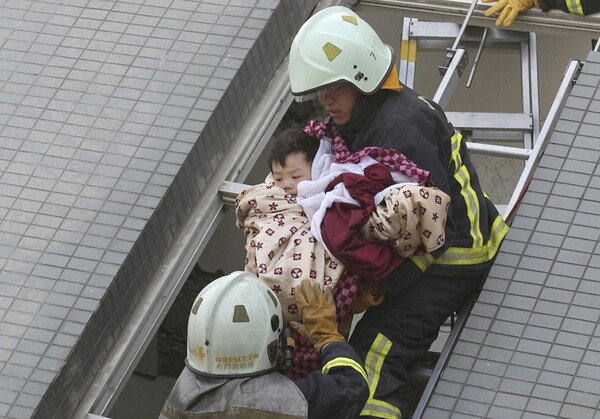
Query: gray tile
90, 151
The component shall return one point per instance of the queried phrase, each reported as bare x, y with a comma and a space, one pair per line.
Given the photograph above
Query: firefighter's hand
318, 313
509, 9
372, 294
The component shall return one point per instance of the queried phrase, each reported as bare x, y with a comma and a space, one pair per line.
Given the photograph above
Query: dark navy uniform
425, 290
575, 7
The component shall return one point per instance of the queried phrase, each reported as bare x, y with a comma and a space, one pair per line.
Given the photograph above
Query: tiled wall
113, 116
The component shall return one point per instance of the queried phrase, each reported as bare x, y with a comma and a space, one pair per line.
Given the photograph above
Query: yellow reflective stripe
345, 362
575, 7
423, 262
463, 177
375, 357
373, 363
479, 252
472, 204
455, 142
469, 256
380, 409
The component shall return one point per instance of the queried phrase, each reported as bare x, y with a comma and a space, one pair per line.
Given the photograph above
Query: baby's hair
292, 140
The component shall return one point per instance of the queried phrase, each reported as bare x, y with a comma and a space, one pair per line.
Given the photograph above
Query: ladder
484, 130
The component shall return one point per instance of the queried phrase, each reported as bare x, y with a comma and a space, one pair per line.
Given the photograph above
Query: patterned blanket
280, 248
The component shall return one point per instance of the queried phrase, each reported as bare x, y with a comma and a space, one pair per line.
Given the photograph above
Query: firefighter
340, 58
233, 344
509, 9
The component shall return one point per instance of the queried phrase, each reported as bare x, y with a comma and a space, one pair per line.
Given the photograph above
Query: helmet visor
306, 98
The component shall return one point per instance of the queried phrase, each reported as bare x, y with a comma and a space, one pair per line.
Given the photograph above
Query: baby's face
295, 170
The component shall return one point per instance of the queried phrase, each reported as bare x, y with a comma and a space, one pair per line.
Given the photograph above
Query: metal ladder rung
491, 120
230, 190
430, 32
499, 150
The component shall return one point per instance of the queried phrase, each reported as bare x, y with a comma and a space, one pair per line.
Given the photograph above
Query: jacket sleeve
575, 7
426, 140
340, 389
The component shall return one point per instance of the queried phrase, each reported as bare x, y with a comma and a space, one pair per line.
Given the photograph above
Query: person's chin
340, 121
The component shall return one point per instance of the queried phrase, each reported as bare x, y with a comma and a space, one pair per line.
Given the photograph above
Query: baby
283, 218
280, 248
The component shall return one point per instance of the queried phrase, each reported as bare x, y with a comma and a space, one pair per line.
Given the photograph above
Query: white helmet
335, 45
234, 327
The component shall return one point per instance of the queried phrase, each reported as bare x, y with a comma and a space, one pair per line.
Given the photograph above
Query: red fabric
369, 259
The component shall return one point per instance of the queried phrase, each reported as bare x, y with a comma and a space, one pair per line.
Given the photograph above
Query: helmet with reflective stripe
335, 45
234, 327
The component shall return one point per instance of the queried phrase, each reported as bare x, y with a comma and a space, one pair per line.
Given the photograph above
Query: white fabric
311, 193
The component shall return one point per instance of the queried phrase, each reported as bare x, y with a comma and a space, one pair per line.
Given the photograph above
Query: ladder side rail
403, 62
412, 57
408, 54
526, 89
450, 80
534, 95
543, 139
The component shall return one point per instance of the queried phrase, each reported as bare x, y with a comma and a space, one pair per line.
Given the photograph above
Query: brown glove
318, 312
509, 9
372, 294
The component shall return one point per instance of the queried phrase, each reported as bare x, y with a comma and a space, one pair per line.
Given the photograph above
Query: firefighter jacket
338, 391
418, 128
575, 7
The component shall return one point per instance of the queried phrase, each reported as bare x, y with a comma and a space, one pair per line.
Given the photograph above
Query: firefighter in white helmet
233, 345
339, 58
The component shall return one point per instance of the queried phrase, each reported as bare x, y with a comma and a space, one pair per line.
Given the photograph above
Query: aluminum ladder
488, 129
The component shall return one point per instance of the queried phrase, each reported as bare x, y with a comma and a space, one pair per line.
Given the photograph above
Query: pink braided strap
390, 157
306, 359
345, 294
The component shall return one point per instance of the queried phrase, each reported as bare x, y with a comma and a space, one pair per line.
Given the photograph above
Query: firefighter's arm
339, 389
576, 7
